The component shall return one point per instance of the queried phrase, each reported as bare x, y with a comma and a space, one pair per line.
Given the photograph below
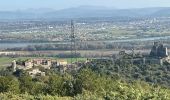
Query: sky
6, 5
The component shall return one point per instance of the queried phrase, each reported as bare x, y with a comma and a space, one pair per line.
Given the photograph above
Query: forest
97, 80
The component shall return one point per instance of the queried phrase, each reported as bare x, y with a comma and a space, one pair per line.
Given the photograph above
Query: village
32, 66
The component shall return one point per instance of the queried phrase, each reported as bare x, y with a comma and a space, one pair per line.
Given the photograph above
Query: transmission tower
73, 42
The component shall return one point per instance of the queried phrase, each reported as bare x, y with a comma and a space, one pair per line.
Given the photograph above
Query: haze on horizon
10, 5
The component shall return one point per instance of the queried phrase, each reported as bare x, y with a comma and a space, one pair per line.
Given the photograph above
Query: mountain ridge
85, 11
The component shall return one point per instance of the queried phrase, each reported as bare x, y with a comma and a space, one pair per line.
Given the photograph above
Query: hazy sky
61, 4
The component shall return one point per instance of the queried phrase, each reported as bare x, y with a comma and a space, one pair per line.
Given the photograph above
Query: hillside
84, 12
86, 85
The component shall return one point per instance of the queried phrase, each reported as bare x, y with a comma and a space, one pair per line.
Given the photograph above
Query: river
13, 45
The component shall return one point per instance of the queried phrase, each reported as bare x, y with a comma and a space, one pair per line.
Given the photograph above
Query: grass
69, 60
5, 60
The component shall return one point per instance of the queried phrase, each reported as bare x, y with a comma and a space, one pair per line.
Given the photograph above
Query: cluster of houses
32, 66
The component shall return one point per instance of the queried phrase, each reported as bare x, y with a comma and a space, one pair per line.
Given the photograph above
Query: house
28, 64
62, 63
46, 63
36, 72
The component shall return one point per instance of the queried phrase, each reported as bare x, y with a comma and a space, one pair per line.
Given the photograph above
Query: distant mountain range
84, 12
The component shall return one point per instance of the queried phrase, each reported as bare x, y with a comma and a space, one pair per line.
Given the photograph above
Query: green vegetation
69, 60
97, 80
126, 70
86, 85
5, 60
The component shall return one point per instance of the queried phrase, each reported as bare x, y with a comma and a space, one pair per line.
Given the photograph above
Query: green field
5, 60
69, 60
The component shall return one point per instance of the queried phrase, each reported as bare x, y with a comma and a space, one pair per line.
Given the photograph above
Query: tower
166, 51
14, 66
73, 42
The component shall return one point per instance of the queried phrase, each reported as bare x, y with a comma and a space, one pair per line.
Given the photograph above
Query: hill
84, 12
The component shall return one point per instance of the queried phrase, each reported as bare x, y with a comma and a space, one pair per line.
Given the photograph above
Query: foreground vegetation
85, 85
150, 73
99, 79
